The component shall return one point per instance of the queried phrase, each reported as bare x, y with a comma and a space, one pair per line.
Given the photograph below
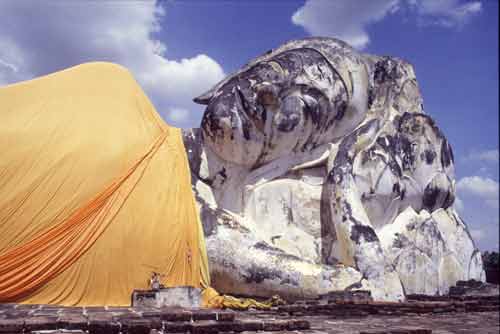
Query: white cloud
484, 156
344, 19
39, 37
447, 13
480, 194
348, 20
482, 187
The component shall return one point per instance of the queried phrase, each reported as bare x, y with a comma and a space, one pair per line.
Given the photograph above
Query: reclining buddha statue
316, 169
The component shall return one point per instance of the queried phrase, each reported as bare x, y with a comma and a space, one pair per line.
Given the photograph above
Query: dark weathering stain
396, 188
428, 156
341, 111
400, 240
392, 146
193, 145
288, 124
288, 281
276, 251
430, 197
311, 111
210, 180
446, 153
406, 153
356, 285
386, 70
371, 97
210, 123
208, 217
290, 110
363, 231
223, 174
246, 129
265, 246
257, 274
343, 157
402, 194
348, 213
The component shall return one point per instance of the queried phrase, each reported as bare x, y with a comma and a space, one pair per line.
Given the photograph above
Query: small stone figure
155, 281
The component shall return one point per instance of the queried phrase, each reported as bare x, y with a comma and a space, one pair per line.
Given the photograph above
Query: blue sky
177, 49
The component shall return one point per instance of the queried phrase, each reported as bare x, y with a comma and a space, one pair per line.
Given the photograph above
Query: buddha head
295, 98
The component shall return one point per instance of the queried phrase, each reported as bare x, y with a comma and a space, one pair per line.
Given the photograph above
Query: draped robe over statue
95, 192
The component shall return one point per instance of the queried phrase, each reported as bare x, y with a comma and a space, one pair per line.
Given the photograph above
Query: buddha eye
276, 73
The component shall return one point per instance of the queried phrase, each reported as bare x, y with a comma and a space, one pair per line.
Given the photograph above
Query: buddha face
291, 102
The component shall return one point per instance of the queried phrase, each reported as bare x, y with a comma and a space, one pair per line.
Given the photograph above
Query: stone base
182, 296
474, 288
348, 296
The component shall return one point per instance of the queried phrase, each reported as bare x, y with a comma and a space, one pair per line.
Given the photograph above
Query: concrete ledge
181, 296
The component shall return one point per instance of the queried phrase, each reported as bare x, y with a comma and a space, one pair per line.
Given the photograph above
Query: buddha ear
204, 98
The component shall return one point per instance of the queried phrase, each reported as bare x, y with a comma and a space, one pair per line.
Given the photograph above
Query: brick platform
113, 320
420, 314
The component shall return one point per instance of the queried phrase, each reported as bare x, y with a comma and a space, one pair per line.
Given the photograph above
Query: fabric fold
95, 192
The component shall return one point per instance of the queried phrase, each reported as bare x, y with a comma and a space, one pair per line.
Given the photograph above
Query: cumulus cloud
348, 20
344, 19
477, 201
482, 187
39, 37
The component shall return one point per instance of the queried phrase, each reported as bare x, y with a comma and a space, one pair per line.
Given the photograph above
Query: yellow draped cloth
95, 192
